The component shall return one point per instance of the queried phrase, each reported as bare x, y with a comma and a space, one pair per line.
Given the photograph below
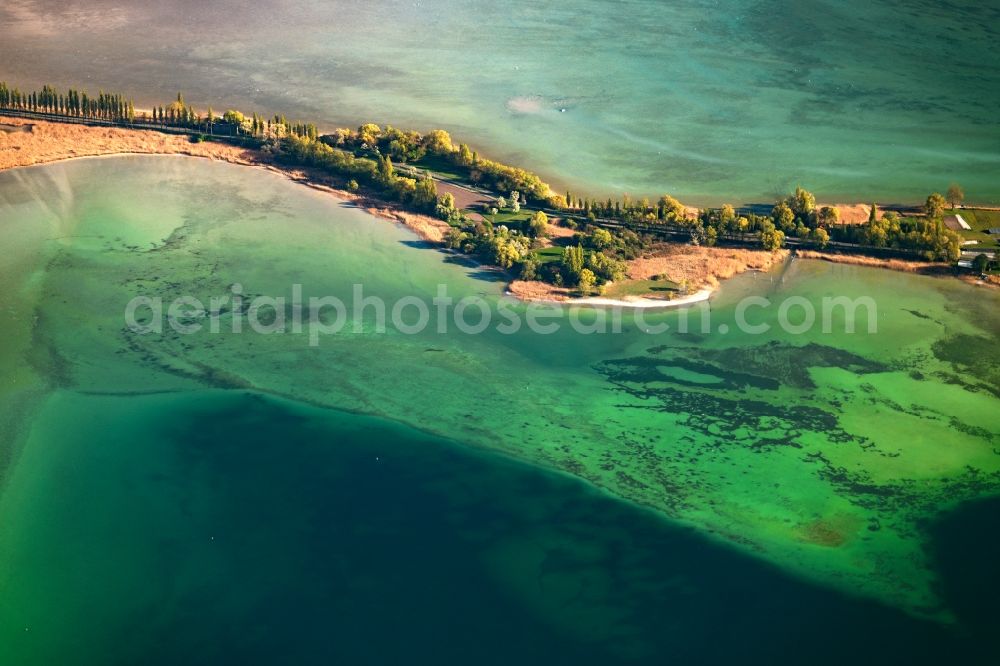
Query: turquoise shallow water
385, 494
734, 101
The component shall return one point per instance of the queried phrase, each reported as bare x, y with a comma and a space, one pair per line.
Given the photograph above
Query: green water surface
714, 101
224, 489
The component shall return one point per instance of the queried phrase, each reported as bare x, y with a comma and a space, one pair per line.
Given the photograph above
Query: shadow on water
346, 539
487, 274
420, 244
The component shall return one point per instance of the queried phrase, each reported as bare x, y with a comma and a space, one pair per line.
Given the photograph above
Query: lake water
384, 497
714, 101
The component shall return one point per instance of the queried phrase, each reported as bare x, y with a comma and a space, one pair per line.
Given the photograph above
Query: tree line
72, 103
115, 107
795, 216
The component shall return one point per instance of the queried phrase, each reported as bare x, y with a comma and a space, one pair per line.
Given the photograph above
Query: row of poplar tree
105, 106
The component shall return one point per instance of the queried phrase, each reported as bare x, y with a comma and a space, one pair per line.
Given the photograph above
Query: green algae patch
976, 355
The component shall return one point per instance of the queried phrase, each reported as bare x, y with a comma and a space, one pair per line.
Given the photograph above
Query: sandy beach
52, 142
641, 303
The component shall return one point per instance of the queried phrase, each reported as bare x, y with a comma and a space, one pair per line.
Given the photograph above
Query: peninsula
552, 246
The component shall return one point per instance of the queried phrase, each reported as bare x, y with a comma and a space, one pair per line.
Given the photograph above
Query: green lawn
439, 166
986, 241
513, 221
654, 288
506, 217
980, 220
548, 255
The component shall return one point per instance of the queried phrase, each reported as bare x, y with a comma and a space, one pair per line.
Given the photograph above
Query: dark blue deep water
239, 529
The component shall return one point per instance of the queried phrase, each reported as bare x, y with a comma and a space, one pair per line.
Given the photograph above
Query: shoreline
930, 269
902, 265
636, 303
108, 142
700, 267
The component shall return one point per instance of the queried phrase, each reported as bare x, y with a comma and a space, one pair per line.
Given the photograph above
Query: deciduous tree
783, 216
829, 216
955, 195
770, 237
934, 206
587, 280
539, 225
